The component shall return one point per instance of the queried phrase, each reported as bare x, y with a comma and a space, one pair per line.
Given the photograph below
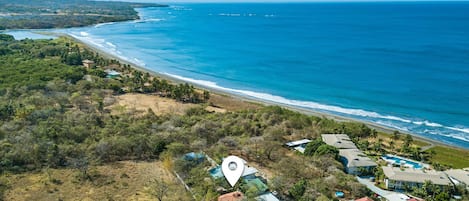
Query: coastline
431, 143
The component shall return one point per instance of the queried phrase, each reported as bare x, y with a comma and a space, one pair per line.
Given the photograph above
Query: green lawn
457, 158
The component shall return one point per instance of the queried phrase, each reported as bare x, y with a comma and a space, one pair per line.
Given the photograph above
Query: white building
356, 162
298, 145
340, 141
397, 178
459, 176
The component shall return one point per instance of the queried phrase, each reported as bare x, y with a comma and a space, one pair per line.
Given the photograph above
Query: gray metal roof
341, 141
415, 175
297, 143
461, 175
356, 158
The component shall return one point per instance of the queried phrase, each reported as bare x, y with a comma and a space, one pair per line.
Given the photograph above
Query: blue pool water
402, 161
397, 64
216, 172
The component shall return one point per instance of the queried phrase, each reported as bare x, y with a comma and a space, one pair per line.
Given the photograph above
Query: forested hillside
38, 14
54, 115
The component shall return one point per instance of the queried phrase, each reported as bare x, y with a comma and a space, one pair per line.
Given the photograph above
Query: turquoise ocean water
401, 65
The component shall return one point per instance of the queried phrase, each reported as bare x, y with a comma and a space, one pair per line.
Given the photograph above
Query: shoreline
431, 142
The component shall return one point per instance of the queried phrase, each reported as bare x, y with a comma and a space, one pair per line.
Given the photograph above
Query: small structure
339, 194
192, 156
396, 197
88, 63
298, 145
364, 199
400, 179
459, 176
248, 172
267, 197
256, 183
233, 196
340, 141
356, 162
112, 73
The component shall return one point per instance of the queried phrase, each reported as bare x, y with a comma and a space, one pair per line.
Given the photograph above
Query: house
298, 145
248, 172
197, 157
396, 197
364, 199
267, 197
459, 176
293, 144
356, 162
401, 179
88, 63
233, 196
112, 73
340, 141
256, 183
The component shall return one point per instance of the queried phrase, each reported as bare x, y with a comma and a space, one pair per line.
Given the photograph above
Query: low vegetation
54, 117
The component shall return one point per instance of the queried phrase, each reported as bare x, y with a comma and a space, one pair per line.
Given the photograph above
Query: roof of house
233, 196
298, 142
112, 72
257, 183
248, 170
194, 156
461, 175
341, 141
300, 149
87, 61
364, 199
267, 197
356, 158
396, 197
416, 175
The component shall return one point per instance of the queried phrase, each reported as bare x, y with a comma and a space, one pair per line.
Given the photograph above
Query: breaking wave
403, 124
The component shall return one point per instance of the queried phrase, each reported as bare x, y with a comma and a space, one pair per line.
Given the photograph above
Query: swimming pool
216, 172
396, 160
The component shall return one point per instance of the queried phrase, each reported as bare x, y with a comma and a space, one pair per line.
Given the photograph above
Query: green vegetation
54, 114
38, 14
449, 157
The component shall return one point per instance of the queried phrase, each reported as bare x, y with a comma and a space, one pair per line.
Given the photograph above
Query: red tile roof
364, 199
234, 196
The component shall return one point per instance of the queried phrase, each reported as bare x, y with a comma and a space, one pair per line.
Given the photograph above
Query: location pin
232, 167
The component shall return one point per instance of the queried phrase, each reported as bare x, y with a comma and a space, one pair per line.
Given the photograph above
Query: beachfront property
356, 162
88, 63
459, 176
340, 141
406, 178
112, 73
298, 145
233, 196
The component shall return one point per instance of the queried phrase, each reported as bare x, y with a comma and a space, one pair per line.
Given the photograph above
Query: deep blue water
402, 65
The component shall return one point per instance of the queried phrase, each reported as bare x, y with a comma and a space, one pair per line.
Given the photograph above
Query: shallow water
401, 65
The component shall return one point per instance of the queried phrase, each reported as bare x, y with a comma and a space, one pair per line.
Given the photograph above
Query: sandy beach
261, 101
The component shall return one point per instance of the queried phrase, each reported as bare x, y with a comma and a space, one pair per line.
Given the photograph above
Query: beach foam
103, 24
385, 120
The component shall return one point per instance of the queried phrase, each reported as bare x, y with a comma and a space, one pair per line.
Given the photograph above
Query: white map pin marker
232, 167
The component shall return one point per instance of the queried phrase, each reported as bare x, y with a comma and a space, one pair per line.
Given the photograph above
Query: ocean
403, 65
